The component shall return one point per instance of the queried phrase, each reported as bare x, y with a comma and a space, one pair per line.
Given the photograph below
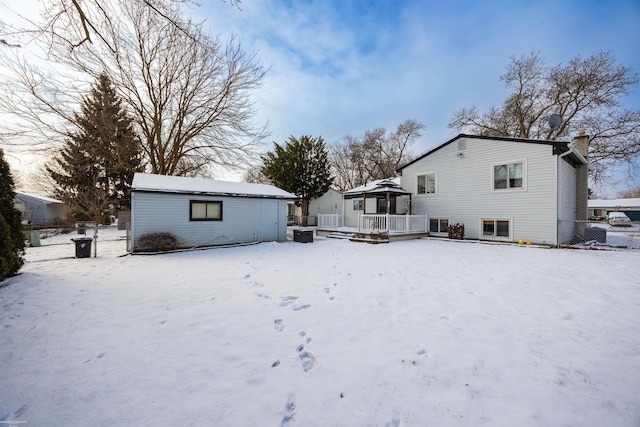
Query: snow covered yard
412, 333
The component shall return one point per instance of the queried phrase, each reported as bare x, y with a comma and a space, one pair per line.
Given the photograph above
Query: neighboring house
40, 210
205, 212
329, 202
502, 189
382, 196
601, 207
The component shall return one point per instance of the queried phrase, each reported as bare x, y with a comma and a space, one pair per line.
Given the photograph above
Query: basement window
438, 225
205, 211
496, 228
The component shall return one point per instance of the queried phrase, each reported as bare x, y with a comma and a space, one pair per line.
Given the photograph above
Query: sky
338, 68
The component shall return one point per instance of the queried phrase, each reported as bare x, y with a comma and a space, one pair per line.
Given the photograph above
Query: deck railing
330, 221
397, 224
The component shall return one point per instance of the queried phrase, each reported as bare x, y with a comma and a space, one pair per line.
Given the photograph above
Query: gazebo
384, 196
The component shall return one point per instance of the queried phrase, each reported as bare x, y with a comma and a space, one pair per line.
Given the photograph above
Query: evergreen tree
11, 232
301, 167
95, 167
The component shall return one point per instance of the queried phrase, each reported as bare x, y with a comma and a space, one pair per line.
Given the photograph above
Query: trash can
34, 239
83, 247
303, 236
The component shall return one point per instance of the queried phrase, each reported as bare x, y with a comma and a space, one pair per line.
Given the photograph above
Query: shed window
357, 205
206, 211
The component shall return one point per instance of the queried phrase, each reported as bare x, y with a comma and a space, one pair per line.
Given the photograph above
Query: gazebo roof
380, 186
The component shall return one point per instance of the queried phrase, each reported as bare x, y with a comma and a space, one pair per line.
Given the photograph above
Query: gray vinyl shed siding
169, 212
464, 188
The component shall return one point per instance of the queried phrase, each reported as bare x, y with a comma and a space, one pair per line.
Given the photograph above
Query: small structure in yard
40, 210
204, 212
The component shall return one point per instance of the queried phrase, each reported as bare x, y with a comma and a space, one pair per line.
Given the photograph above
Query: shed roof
178, 184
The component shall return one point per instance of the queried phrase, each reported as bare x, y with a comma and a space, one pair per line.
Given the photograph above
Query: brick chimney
582, 143
582, 177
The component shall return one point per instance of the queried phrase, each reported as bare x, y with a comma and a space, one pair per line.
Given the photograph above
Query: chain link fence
601, 234
56, 242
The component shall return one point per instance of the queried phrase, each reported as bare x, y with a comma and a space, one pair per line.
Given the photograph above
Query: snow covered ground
411, 333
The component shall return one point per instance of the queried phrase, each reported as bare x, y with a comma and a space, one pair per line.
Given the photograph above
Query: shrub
157, 242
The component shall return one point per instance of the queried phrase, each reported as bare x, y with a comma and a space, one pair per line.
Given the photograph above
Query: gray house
40, 210
205, 212
502, 189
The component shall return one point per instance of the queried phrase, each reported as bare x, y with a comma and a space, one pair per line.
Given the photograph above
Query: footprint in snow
289, 411
308, 361
278, 325
301, 307
100, 356
286, 301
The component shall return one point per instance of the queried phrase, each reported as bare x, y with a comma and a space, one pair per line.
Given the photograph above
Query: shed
205, 212
40, 210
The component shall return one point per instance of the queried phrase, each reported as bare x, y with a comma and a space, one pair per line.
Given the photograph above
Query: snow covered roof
42, 199
613, 203
373, 185
180, 184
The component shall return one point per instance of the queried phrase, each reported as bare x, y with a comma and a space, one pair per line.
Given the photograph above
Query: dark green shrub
157, 242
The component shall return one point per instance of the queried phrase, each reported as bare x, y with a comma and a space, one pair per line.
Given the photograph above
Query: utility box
595, 233
83, 247
303, 236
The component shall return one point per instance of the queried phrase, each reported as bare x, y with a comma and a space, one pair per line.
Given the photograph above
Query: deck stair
340, 235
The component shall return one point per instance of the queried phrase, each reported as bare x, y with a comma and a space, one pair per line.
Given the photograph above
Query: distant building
601, 207
40, 210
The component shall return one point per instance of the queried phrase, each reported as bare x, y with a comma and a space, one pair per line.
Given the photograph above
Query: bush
11, 230
157, 242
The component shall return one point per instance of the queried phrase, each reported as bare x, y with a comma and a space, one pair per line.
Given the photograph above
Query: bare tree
58, 14
586, 92
254, 174
188, 93
630, 194
376, 155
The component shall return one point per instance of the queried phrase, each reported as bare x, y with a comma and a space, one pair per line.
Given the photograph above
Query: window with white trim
427, 183
438, 225
205, 210
508, 176
496, 228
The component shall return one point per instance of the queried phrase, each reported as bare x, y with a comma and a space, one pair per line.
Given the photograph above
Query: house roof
47, 200
559, 147
614, 203
143, 182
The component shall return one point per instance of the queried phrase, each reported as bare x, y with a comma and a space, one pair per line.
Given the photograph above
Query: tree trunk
304, 204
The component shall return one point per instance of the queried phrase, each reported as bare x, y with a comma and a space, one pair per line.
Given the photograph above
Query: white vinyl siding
567, 205
465, 187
